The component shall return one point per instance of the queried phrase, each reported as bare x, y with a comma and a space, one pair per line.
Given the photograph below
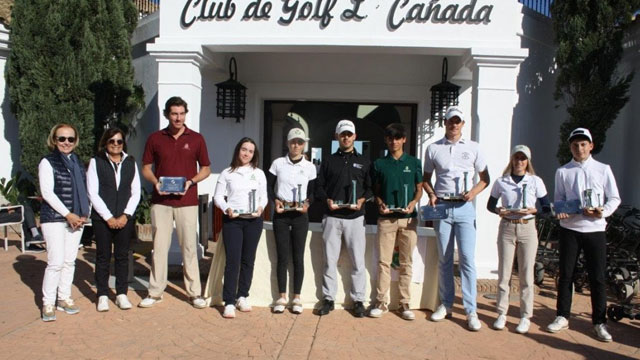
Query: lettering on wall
325, 12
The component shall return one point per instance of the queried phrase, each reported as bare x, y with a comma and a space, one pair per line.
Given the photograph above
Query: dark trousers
290, 230
120, 240
595, 253
240, 238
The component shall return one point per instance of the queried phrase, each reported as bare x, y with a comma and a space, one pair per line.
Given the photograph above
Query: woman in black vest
114, 189
64, 211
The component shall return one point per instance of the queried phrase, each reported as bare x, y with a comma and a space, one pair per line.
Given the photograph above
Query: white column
179, 74
494, 95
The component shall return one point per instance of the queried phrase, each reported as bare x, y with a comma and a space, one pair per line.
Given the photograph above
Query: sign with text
327, 12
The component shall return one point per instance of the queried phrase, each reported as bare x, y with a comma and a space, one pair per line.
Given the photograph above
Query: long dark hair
235, 160
104, 140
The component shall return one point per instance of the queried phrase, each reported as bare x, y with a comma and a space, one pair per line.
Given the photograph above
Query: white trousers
62, 250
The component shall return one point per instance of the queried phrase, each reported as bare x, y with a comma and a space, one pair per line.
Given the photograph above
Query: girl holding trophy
518, 189
241, 194
290, 188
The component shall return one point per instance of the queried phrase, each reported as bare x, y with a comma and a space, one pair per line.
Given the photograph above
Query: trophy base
397, 210
459, 198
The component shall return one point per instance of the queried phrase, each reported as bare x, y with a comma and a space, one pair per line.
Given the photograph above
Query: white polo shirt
575, 177
290, 175
236, 186
511, 194
450, 160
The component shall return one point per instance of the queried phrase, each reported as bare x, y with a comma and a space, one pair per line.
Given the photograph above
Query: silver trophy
524, 196
588, 202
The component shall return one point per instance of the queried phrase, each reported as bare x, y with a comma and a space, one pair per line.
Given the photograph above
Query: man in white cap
591, 182
335, 187
455, 161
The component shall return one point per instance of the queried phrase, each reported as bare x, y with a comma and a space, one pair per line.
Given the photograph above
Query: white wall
9, 140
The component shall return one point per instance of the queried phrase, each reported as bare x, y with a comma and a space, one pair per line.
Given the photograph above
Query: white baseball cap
296, 133
345, 125
454, 111
580, 132
523, 149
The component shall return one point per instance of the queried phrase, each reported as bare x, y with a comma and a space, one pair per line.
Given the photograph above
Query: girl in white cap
290, 188
517, 189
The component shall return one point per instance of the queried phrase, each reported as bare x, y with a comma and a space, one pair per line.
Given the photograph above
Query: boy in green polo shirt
397, 185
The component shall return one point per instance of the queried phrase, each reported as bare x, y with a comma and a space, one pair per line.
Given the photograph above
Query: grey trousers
520, 240
354, 239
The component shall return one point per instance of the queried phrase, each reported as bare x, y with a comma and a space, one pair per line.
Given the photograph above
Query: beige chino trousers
403, 233
186, 220
523, 240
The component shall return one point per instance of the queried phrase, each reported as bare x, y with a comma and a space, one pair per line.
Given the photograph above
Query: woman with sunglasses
64, 211
114, 191
290, 188
518, 190
241, 194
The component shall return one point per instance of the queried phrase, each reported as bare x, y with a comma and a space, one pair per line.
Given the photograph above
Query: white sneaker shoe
122, 301
296, 306
500, 322
229, 312
560, 323
523, 326
378, 311
406, 313
441, 313
198, 302
243, 304
473, 323
281, 304
103, 303
149, 301
602, 333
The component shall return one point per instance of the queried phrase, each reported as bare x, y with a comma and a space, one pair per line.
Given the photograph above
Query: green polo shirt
392, 175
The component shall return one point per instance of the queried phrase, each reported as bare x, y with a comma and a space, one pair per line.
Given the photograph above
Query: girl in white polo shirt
290, 187
518, 190
241, 193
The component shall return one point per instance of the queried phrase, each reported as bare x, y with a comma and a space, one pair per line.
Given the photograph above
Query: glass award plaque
437, 212
566, 207
342, 205
172, 184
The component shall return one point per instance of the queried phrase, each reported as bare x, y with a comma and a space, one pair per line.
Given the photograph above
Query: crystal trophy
430, 213
297, 203
393, 207
523, 208
251, 212
172, 184
459, 197
588, 201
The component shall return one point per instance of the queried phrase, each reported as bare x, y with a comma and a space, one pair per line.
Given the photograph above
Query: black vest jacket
116, 199
62, 188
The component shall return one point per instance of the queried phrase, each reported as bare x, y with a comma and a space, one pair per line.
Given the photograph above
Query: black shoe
358, 309
34, 249
326, 308
37, 239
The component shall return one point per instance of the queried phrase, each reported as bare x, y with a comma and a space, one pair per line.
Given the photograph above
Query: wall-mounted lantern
231, 95
443, 95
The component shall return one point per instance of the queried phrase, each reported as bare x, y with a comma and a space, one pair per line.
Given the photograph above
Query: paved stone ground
173, 329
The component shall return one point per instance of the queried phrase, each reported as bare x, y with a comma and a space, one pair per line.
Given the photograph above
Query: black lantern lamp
443, 95
231, 95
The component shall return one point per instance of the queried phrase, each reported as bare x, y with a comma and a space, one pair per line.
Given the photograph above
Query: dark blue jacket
62, 188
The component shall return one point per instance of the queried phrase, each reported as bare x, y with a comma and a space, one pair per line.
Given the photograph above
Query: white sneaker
378, 311
243, 304
281, 304
441, 313
229, 312
103, 303
198, 302
500, 322
149, 301
406, 312
296, 306
602, 333
473, 323
560, 323
523, 326
122, 301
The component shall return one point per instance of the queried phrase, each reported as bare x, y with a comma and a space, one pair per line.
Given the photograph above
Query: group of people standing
345, 181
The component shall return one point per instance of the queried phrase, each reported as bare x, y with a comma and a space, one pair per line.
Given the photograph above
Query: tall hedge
589, 35
70, 61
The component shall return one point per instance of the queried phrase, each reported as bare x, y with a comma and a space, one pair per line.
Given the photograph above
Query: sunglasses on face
62, 139
116, 141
